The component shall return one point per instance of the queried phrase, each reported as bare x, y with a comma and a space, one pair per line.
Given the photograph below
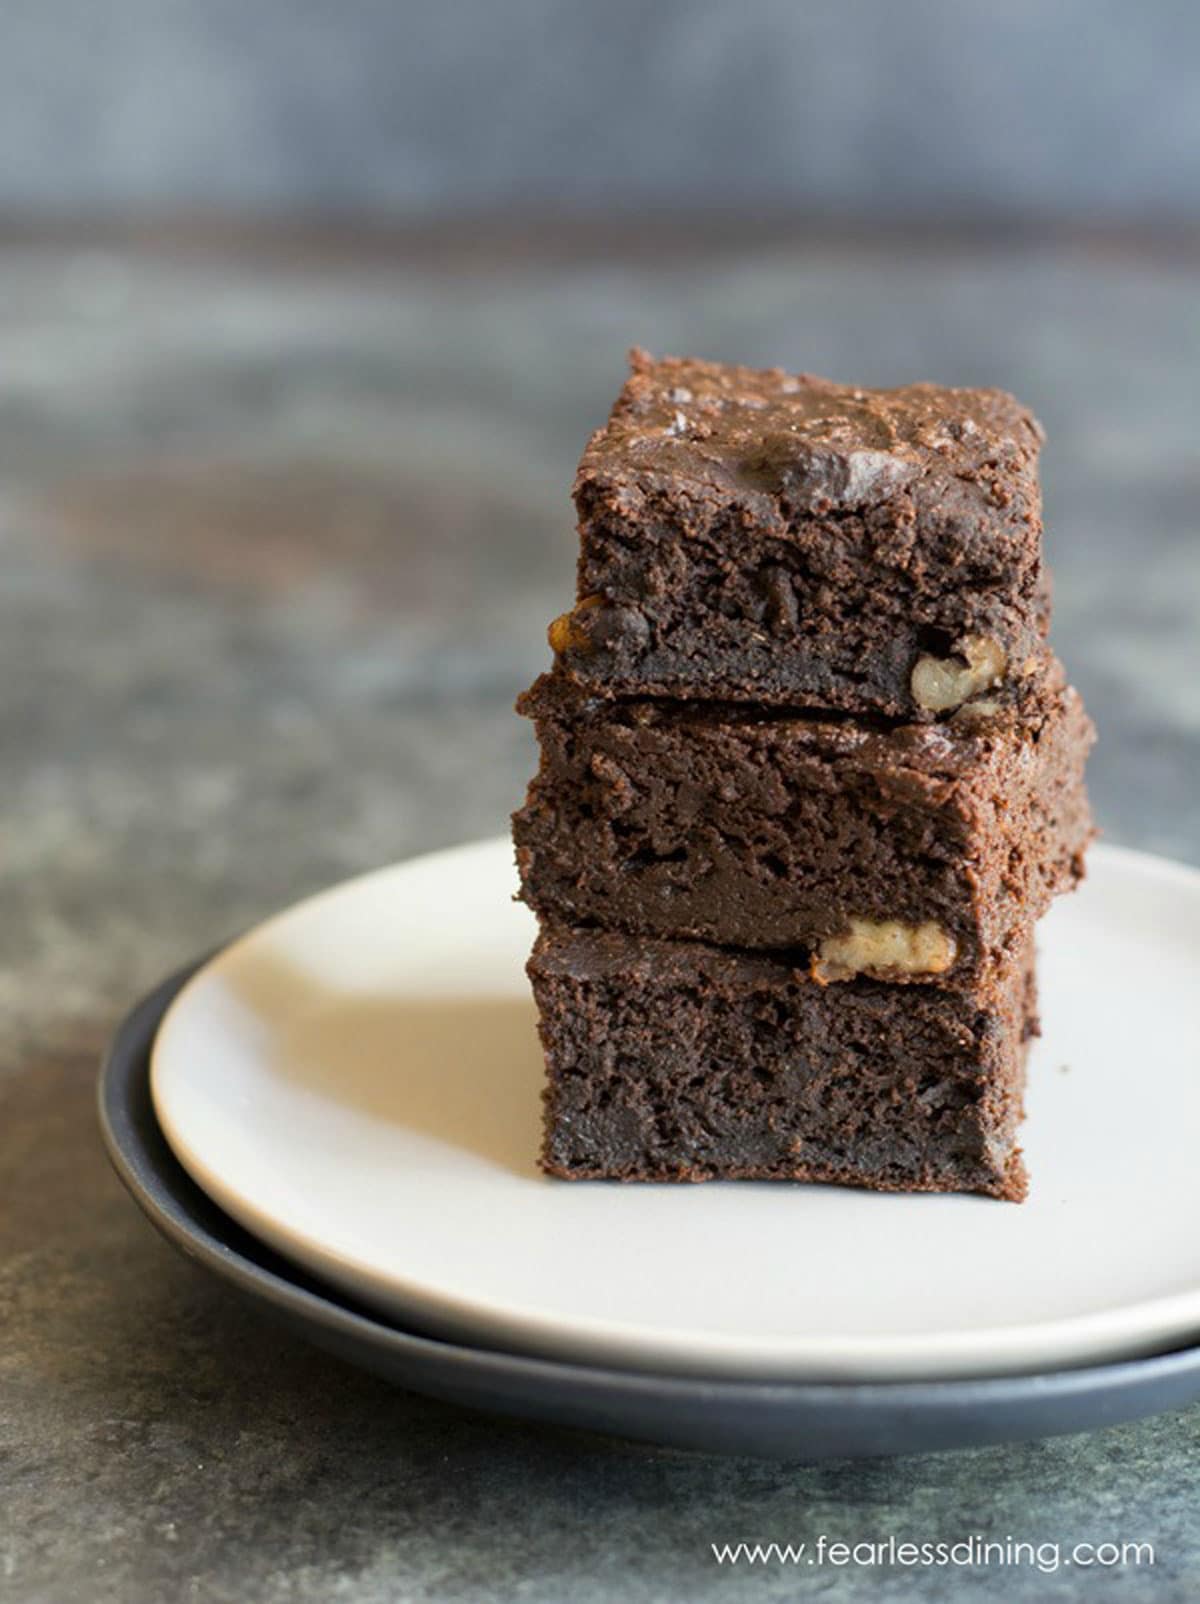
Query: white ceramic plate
357, 1082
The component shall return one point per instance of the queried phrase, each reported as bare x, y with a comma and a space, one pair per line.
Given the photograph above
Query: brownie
917, 852
750, 535
677, 1061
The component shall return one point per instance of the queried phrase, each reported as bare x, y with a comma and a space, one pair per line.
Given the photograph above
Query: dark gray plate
779, 1420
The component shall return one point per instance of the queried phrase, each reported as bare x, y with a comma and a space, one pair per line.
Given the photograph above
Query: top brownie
756, 536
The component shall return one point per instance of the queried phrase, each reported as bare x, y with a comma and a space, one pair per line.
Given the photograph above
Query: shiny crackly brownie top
736, 430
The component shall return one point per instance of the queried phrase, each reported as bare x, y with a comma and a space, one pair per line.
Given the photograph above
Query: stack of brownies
809, 775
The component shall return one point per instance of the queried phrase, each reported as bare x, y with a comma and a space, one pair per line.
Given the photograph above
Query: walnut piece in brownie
752, 535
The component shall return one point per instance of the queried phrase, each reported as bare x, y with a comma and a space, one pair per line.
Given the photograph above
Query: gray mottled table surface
280, 532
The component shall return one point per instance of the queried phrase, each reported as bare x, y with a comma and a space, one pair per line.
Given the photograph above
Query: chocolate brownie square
920, 852
752, 535
677, 1061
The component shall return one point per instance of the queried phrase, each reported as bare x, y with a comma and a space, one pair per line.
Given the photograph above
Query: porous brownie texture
915, 853
676, 1061
752, 535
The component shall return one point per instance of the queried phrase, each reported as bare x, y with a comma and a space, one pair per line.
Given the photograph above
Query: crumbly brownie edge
793, 540
671, 1061
751, 831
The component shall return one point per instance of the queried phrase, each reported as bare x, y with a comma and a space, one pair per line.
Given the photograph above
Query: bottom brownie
675, 1061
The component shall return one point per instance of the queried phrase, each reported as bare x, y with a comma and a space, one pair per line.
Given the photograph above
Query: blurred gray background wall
905, 108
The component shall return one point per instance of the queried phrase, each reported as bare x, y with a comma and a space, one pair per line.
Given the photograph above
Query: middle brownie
919, 852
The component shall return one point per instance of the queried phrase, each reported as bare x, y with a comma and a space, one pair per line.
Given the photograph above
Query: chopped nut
940, 683
887, 946
598, 625
564, 633
976, 712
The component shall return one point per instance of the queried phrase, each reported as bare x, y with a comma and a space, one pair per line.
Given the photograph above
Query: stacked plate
340, 1114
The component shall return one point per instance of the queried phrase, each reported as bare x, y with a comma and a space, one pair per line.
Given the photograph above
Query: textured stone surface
279, 540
